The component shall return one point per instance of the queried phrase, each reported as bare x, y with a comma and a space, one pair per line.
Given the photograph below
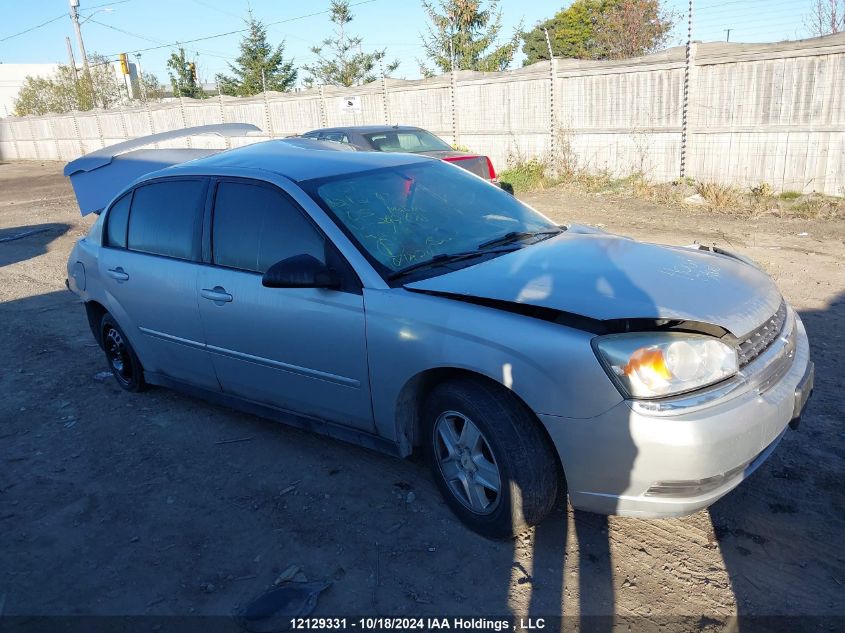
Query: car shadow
774, 532
588, 533
779, 531
20, 243
225, 513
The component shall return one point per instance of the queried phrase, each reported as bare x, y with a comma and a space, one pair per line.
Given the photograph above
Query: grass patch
662, 193
818, 208
523, 175
526, 175
721, 197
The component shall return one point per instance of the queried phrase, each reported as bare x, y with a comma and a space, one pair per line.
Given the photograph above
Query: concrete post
384, 95
453, 89
690, 56
552, 104
15, 140
267, 118
50, 122
34, 140
78, 134
184, 118
223, 113
324, 119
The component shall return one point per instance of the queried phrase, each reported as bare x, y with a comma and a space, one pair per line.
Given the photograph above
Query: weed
525, 175
721, 197
789, 195
818, 208
763, 190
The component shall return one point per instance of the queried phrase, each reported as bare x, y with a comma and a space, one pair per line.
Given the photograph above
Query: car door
299, 349
149, 267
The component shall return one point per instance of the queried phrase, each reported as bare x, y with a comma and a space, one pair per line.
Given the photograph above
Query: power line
32, 28
59, 17
152, 39
218, 9
235, 32
106, 4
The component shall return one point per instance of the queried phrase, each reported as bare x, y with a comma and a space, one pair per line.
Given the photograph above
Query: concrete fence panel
757, 113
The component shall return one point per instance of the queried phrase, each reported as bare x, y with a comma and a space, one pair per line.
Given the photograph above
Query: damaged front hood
607, 277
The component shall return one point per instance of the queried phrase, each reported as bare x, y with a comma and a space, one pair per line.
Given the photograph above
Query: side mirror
300, 271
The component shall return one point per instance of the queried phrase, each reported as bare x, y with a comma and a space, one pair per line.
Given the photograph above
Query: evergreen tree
341, 60
469, 32
257, 57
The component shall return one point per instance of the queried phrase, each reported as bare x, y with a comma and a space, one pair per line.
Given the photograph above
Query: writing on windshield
408, 214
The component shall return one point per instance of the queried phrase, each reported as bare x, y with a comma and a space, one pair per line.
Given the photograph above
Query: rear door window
256, 226
116, 222
166, 218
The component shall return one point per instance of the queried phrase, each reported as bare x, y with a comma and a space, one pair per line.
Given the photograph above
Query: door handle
217, 294
118, 273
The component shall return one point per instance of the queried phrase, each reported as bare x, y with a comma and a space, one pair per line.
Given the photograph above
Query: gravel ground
116, 504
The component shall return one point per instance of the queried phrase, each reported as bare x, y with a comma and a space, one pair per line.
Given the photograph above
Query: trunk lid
471, 162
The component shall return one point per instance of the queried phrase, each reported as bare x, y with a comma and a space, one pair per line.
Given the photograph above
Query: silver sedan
402, 303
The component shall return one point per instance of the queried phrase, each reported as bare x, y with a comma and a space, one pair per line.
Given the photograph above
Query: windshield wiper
444, 258
517, 236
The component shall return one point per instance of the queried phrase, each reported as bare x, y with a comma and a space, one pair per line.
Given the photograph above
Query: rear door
149, 266
300, 349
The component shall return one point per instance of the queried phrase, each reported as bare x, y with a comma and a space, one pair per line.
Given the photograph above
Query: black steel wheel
123, 362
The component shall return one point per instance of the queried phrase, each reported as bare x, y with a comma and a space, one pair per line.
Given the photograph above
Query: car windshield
403, 216
406, 141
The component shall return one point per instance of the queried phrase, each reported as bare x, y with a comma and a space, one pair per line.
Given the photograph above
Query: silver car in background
401, 303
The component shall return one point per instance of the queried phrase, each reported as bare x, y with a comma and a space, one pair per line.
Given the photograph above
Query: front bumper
632, 462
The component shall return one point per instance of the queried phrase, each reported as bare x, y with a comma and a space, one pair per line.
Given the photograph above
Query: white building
12, 77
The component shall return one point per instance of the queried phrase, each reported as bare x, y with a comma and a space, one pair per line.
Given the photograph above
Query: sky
395, 25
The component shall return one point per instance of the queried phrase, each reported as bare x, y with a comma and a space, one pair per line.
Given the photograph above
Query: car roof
367, 128
293, 161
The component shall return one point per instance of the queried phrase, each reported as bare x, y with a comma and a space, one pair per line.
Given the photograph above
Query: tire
121, 358
510, 441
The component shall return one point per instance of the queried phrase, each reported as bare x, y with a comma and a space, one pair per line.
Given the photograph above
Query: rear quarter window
117, 220
165, 218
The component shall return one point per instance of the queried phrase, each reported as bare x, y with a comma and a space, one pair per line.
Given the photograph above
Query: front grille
751, 346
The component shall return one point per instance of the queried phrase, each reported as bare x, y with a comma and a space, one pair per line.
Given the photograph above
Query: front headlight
656, 364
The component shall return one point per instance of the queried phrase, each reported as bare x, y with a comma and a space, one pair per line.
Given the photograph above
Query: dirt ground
120, 504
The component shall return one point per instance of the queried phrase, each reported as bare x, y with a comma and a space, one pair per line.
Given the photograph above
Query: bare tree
826, 17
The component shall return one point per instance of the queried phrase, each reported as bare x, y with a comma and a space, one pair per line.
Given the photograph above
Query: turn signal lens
655, 364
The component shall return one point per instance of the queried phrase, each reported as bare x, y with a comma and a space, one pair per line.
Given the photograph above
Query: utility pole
728, 31
141, 83
74, 17
72, 62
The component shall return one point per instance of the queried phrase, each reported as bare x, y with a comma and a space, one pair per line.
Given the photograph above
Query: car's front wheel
122, 360
491, 461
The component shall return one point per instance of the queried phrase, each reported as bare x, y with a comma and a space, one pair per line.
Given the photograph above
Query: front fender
551, 367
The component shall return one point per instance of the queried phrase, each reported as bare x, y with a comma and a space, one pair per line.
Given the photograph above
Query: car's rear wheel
491, 461
122, 360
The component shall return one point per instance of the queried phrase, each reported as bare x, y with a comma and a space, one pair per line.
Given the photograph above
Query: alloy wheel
466, 462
